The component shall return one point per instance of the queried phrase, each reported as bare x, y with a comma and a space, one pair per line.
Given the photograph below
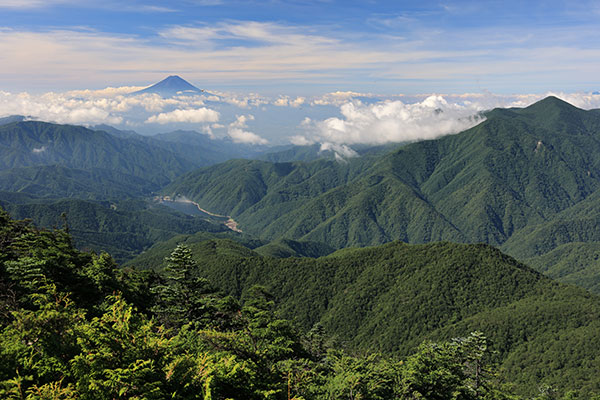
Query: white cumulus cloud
393, 121
83, 107
286, 101
341, 151
385, 120
198, 115
238, 134
582, 100
59, 108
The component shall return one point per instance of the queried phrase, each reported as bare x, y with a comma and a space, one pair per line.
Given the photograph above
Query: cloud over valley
393, 121
336, 118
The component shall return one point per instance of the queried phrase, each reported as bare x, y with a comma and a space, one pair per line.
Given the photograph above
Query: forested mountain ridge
291, 153
250, 185
58, 181
391, 297
74, 326
517, 169
32, 143
124, 228
197, 148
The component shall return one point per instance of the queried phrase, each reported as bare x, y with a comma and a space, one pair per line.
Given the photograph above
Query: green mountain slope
576, 262
57, 181
390, 297
519, 169
290, 153
195, 147
202, 149
296, 153
124, 229
304, 200
284, 248
26, 144
567, 247
250, 186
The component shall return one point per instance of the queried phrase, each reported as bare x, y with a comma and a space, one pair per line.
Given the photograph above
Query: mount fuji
171, 86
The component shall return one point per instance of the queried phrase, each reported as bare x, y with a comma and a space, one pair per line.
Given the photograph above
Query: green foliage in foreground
69, 329
390, 298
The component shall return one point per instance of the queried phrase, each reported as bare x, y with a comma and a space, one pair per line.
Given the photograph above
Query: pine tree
183, 296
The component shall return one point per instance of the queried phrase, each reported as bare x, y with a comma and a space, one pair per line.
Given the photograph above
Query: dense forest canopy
75, 326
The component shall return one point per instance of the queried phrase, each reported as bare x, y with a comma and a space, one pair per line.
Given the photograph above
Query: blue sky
334, 72
302, 47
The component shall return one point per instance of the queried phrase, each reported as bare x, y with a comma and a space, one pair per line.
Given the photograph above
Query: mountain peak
174, 79
170, 86
557, 115
551, 103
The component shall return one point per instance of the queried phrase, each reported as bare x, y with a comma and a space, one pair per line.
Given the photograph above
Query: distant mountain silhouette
12, 118
171, 86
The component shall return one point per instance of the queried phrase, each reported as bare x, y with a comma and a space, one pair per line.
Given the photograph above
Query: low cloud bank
194, 116
391, 121
117, 106
337, 118
373, 119
60, 108
286, 101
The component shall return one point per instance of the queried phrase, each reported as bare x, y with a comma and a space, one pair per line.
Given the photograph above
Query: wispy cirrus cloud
255, 54
108, 4
284, 53
159, 9
29, 4
248, 31
239, 52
